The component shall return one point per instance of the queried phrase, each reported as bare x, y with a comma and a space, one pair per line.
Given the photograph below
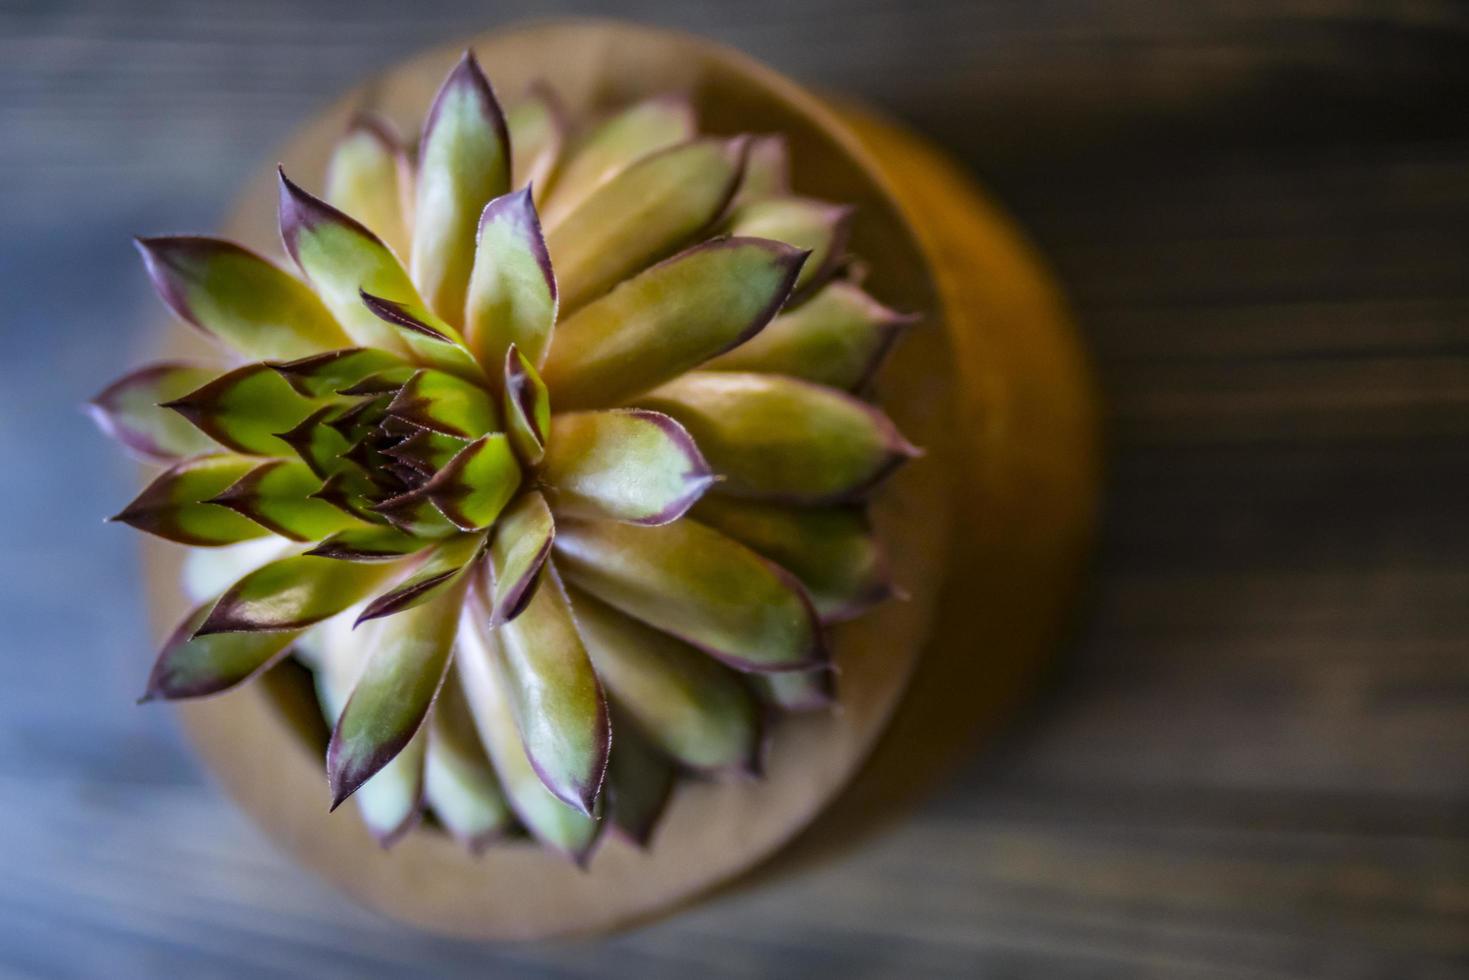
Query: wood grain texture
1254, 761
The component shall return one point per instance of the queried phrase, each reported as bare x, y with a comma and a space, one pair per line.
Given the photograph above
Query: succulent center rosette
549, 466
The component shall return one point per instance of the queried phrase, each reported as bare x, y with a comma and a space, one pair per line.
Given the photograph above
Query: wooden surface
1254, 761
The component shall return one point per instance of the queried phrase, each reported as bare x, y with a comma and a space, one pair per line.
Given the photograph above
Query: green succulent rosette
551, 464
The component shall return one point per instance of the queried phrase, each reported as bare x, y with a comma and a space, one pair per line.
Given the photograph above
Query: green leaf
426, 451
480, 664
476, 484
431, 341
527, 407
129, 410
639, 784
815, 226
653, 207
512, 290
783, 439
797, 690
459, 782
667, 320
372, 543
320, 445
556, 697
694, 583
193, 667
277, 495
518, 548
639, 130
415, 514
832, 550
837, 338
369, 177
464, 161
409, 655
209, 571
327, 373
691, 707
293, 593
767, 170
246, 409
624, 464
537, 125
246, 301
445, 404
174, 505
441, 573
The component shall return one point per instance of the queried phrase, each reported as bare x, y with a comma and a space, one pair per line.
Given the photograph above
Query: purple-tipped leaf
174, 506
245, 409
512, 289
370, 178
293, 593
430, 341
129, 411
520, 544
325, 374
441, 573
669, 319
373, 543
192, 666
445, 404
277, 495
235, 295
625, 464
476, 484
526, 407
814, 226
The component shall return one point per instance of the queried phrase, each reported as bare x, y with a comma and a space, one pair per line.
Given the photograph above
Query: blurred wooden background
1254, 762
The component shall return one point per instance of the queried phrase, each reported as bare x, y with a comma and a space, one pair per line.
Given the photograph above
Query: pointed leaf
445, 404
459, 782
415, 514
292, 593
246, 301
464, 161
406, 665
319, 444
129, 411
625, 464
783, 439
373, 543
209, 571
669, 319
427, 452
639, 784
690, 581
192, 667
522, 540
369, 177
330, 372
831, 550
431, 341
767, 171
441, 573
619, 141
512, 290
174, 505
245, 409
481, 667
655, 206
526, 406
277, 495
836, 338
537, 125
797, 690
558, 701
815, 226
476, 484
692, 707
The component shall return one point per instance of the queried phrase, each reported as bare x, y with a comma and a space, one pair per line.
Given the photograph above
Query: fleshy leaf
783, 439
481, 667
328, 373
527, 407
432, 341
209, 571
818, 227
292, 593
246, 301
409, 655
441, 573
522, 540
512, 289
476, 484
174, 505
459, 782
277, 495
639, 784
414, 513
653, 207
836, 338
558, 701
797, 690
767, 170
464, 161
625, 464
369, 177
194, 666
373, 543
619, 141
245, 409
318, 443
129, 410
445, 404
832, 550
690, 581
669, 319
537, 126
692, 707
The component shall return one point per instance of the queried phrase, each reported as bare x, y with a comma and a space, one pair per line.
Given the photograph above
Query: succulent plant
551, 466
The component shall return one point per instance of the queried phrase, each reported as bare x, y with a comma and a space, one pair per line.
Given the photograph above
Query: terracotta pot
991, 384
